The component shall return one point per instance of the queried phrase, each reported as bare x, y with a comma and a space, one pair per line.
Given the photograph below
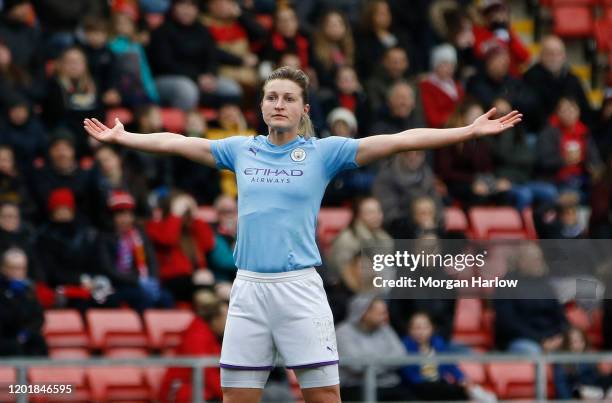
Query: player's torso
290, 174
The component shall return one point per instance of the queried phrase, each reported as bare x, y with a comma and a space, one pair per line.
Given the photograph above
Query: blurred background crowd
87, 225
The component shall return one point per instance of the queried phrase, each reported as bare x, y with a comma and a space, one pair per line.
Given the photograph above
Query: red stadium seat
209, 113
529, 223
512, 380
123, 114
486, 221
173, 119
573, 21
265, 20
208, 214
64, 328
331, 221
115, 328
603, 34
469, 325
595, 332
126, 352
61, 376
119, 383
164, 327
153, 377
69, 353
474, 372
455, 220
8, 376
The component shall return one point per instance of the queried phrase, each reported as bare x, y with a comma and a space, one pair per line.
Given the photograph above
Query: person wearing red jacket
202, 338
496, 31
181, 242
440, 93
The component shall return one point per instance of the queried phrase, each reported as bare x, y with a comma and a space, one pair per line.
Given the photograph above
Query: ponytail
306, 128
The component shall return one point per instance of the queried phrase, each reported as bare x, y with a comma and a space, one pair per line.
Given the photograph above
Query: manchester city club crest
298, 155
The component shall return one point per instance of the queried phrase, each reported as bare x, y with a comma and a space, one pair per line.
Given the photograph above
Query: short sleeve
338, 153
225, 150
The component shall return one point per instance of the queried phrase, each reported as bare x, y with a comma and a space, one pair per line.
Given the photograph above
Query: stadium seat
208, 214
153, 377
529, 223
173, 119
119, 383
603, 34
123, 114
61, 376
265, 20
595, 332
8, 376
115, 328
474, 372
469, 325
165, 326
64, 328
126, 352
68, 353
573, 21
209, 113
512, 380
331, 221
496, 223
455, 220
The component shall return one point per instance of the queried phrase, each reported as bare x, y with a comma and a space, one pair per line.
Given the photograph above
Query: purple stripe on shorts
227, 366
314, 365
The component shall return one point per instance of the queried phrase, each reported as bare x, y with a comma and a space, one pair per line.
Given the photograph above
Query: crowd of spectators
84, 224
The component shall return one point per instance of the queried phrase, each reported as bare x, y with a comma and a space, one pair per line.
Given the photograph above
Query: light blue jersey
279, 195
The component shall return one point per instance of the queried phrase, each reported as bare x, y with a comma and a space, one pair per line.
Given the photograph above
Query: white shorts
284, 314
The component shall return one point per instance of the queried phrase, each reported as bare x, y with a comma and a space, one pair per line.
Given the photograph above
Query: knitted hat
443, 53
342, 114
120, 200
61, 197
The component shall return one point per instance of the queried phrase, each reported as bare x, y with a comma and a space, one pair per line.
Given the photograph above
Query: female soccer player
277, 302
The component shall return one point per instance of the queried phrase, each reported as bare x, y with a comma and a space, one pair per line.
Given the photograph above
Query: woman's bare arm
193, 148
381, 146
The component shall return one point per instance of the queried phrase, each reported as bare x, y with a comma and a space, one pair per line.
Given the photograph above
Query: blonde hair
297, 76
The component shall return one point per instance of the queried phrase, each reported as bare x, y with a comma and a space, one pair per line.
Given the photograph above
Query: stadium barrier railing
370, 363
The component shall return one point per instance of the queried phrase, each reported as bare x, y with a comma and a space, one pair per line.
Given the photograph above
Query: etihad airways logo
269, 175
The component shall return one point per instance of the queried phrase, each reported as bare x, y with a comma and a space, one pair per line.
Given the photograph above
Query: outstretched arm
196, 149
381, 146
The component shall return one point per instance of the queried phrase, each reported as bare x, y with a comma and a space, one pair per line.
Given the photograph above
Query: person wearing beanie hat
67, 250
61, 204
440, 93
342, 122
121, 200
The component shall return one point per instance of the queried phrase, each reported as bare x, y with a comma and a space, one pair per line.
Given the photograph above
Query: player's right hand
101, 132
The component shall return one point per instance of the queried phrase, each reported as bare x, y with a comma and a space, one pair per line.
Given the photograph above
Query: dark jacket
183, 50
21, 320
514, 158
26, 47
548, 89
29, 141
66, 251
520, 316
486, 91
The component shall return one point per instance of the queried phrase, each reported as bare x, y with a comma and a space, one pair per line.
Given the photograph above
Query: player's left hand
485, 125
